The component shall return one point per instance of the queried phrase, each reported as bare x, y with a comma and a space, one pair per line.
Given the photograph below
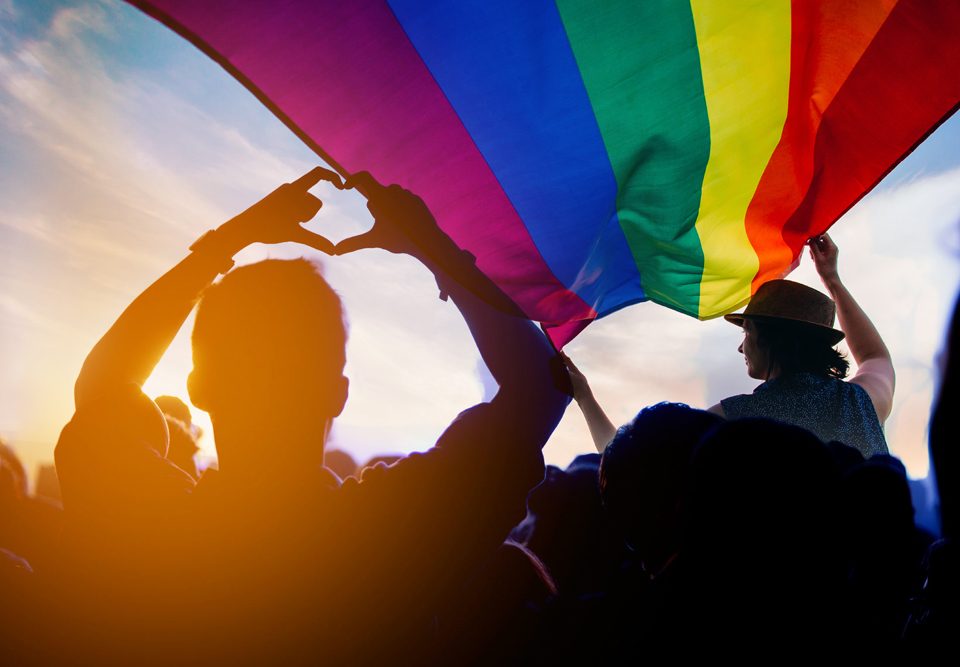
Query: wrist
218, 246
444, 258
832, 282
584, 395
435, 248
455, 268
233, 235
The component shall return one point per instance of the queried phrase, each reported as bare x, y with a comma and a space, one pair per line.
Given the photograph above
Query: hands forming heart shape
402, 222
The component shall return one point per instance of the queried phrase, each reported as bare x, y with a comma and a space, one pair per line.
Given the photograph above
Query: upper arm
876, 377
524, 417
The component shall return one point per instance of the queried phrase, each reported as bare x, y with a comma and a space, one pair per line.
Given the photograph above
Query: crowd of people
772, 525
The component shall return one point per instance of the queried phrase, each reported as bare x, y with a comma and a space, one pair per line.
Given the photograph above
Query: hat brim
833, 335
734, 318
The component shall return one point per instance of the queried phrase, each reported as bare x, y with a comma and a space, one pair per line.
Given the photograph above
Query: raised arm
445, 511
130, 350
875, 367
601, 428
518, 355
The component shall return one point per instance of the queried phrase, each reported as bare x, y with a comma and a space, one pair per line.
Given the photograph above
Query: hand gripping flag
590, 154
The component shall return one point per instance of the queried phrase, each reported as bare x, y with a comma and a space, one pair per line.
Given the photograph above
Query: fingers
354, 243
821, 243
366, 184
568, 362
314, 176
308, 207
815, 245
308, 238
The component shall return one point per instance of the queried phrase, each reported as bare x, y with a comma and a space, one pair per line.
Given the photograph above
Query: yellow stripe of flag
745, 59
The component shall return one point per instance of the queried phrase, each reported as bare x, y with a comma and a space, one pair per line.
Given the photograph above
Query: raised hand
578, 381
402, 222
278, 217
824, 253
601, 428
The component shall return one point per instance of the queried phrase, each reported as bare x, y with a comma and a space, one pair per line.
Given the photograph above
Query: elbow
547, 382
542, 396
876, 353
540, 406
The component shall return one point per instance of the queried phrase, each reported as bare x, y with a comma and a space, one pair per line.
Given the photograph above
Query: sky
120, 144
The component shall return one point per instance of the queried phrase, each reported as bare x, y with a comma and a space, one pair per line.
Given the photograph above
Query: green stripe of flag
641, 68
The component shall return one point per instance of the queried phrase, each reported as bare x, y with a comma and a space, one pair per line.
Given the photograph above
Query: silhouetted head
340, 462
763, 497
567, 528
174, 407
761, 556
644, 472
183, 446
496, 616
13, 477
184, 434
269, 349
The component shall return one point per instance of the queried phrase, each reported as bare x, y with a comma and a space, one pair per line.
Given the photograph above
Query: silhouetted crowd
690, 535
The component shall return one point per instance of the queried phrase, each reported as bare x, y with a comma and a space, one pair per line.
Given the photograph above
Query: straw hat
787, 300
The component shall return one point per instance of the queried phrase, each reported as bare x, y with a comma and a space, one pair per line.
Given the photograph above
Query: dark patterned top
830, 409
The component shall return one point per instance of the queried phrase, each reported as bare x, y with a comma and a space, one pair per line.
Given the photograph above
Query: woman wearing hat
788, 343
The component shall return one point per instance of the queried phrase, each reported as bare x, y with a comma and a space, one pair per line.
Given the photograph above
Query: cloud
20, 317
7, 11
59, 93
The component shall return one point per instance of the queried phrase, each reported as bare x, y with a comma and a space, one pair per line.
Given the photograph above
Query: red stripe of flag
827, 41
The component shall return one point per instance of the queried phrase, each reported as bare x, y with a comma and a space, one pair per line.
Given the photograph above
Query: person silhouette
270, 558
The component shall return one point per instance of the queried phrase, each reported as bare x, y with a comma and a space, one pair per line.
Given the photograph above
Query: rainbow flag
593, 154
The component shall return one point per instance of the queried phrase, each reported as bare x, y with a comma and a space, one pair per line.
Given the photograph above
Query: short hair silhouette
643, 474
275, 316
275, 322
340, 462
269, 343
